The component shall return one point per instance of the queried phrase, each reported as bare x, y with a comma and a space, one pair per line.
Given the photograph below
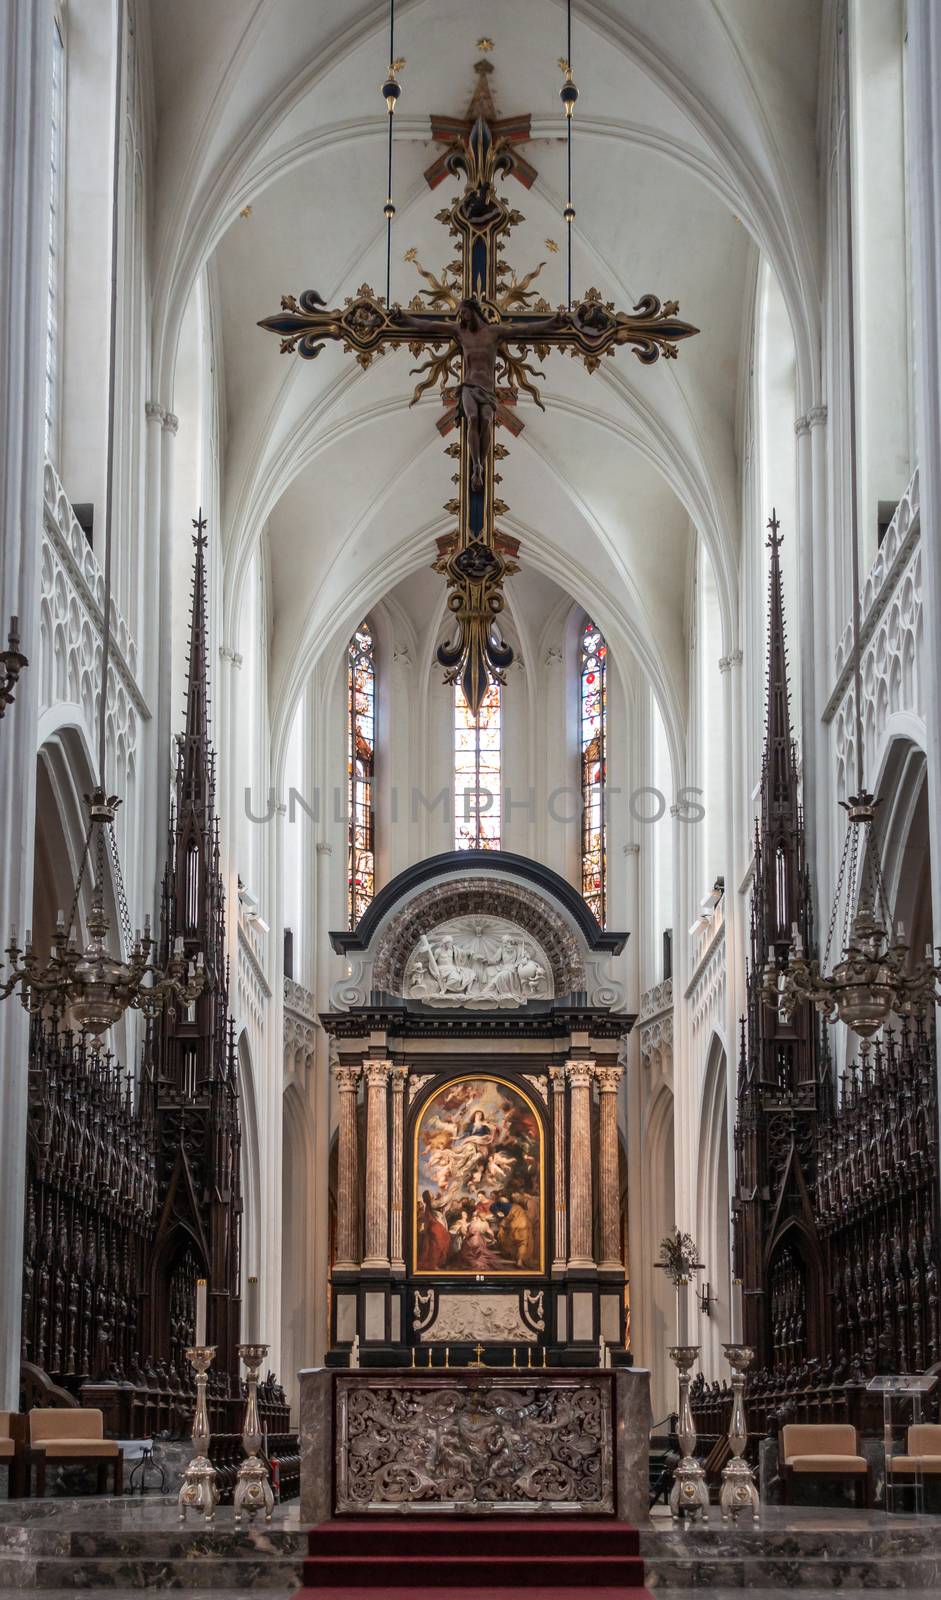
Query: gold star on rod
485, 44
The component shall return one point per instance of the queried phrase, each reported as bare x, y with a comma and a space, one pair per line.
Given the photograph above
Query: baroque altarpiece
477, 1048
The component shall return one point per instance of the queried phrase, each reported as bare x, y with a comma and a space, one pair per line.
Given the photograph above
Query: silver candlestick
689, 1495
252, 1488
738, 1479
200, 1489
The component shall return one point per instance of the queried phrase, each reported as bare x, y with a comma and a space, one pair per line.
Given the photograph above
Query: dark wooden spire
191, 1066
778, 1088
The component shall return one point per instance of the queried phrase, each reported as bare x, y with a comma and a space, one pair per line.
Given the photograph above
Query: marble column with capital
347, 1082
609, 1176
560, 1241
397, 1183
580, 1075
376, 1074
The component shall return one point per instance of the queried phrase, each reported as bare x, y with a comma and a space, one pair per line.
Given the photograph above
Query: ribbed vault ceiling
694, 150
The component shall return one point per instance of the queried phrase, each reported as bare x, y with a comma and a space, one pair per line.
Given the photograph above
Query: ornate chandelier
874, 977
90, 987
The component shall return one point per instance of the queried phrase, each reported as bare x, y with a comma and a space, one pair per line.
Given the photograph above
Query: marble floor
115, 1548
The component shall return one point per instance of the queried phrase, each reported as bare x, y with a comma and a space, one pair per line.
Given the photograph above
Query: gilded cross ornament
473, 329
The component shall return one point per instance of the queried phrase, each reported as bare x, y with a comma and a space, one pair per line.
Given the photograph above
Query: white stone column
580, 1074
347, 1081
560, 1242
376, 1253
397, 1182
25, 103
924, 143
609, 1177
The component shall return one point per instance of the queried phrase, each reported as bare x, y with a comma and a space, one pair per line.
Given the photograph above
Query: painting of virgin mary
478, 1181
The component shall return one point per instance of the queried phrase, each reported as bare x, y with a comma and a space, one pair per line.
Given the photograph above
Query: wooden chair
73, 1437
13, 1451
824, 1450
922, 1451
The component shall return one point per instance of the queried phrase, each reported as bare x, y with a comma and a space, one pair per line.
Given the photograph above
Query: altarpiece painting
479, 1181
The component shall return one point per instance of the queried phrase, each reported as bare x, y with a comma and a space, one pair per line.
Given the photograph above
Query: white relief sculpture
540, 1084
465, 1318
478, 962
416, 1081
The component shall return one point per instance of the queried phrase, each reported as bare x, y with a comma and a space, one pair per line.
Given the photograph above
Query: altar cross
464, 324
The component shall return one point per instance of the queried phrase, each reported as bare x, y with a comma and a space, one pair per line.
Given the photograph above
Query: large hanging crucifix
476, 325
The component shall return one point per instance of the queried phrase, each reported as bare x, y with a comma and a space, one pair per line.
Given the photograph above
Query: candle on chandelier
200, 1311
736, 1332
682, 1312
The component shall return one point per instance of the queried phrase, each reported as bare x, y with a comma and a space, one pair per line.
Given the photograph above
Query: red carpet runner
495, 1557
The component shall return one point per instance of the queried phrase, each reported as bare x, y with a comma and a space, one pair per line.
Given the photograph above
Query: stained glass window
593, 709
55, 207
477, 772
361, 756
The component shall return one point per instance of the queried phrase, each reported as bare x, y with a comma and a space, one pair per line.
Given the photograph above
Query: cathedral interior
471, 819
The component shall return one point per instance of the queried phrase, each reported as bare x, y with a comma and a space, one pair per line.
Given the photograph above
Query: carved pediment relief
480, 962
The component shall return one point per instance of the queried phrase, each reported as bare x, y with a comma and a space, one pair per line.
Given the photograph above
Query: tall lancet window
57, 119
593, 728
361, 758
477, 761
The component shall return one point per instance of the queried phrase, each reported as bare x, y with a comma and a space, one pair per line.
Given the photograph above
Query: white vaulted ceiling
694, 151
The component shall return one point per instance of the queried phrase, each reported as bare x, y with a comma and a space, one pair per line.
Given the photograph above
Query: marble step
126, 1573
718, 1539
256, 1569
758, 1574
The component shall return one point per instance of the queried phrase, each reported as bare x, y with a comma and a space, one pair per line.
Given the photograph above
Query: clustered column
580, 1074
347, 1080
396, 1248
557, 1079
377, 1164
609, 1178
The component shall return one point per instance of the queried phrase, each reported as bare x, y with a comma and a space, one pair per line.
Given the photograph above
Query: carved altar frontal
472, 1442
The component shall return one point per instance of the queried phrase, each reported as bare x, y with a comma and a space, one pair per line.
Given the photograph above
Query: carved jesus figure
479, 342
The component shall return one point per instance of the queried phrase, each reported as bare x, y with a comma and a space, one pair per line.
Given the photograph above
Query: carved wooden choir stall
836, 1201
130, 1199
